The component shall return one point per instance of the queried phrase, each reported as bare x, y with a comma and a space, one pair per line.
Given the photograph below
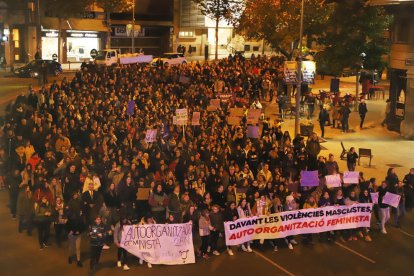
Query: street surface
387, 255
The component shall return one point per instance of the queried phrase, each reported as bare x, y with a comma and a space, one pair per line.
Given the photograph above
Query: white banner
169, 244
181, 116
305, 221
333, 180
391, 199
351, 177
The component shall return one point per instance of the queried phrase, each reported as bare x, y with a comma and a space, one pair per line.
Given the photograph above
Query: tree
354, 28
111, 6
64, 9
278, 22
218, 10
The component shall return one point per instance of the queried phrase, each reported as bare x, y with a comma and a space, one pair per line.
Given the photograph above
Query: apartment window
247, 48
16, 38
402, 30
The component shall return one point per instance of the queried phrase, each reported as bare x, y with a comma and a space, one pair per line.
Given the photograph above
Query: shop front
78, 44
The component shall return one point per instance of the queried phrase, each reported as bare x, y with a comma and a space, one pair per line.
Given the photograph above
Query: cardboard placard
195, 119
253, 116
143, 193
233, 121
236, 112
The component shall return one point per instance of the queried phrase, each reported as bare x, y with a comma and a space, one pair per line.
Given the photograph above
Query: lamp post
358, 74
299, 85
133, 28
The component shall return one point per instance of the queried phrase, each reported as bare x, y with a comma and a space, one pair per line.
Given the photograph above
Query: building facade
401, 73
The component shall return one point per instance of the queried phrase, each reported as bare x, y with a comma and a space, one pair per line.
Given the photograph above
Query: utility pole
38, 29
133, 28
299, 85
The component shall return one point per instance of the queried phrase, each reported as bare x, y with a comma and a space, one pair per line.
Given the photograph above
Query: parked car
33, 68
168, 59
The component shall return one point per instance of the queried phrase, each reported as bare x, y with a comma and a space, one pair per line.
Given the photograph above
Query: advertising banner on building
305, 221
168, 244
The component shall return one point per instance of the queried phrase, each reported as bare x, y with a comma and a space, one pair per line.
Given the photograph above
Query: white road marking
356, 253
273, 263
405, 233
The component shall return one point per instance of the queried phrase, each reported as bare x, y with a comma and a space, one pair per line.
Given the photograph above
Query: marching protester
205, 228
97, 235
122, 253
94, 151
385, 212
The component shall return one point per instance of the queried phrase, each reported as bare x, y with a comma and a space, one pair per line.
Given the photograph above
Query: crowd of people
73, 158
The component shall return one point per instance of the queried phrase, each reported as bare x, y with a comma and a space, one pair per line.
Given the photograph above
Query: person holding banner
148, 219
309, 204
351, 200
324, 201
291, 205
364, 197
275, 208
122, 253
231, 214
383, 208
244, 212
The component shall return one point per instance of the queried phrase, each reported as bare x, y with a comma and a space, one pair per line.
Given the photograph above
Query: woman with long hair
158, 201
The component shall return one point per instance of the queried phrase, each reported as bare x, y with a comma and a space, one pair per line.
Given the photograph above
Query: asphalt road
387, 255
11, 86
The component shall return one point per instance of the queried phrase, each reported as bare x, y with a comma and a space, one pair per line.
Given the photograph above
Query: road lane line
405, 233
355, 252
272, 263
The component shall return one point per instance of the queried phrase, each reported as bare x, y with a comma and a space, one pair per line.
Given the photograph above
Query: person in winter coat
122, 253
158, 201
216, 220
25, 209
365, 197
351, 159
313, 148
349, 201
43, 212
362, 110
231, 214
309, 204
205, 227
174, 207
59, 219
323, 119
97, 235
74, 227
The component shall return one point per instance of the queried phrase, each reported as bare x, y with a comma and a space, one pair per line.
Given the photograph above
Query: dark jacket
216, 220
97, 234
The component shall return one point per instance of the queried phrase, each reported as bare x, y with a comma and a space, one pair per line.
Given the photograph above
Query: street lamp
299, 85
133, 28
358, 74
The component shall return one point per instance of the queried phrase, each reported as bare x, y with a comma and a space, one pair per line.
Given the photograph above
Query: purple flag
130, 108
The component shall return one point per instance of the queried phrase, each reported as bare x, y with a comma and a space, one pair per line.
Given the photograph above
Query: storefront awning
74, 24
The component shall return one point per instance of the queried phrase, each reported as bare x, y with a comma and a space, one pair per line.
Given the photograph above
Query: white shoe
118, 264
209, 249
384, 231
149, 265
275, 248
105, 247
230, 252
244, 248
141, 261
216, 253
125, 268
293, 242
290, 246
249, 249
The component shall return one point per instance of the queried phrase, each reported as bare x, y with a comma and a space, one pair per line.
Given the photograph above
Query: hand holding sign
333, 181
351, 177
151, 136
391, 199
